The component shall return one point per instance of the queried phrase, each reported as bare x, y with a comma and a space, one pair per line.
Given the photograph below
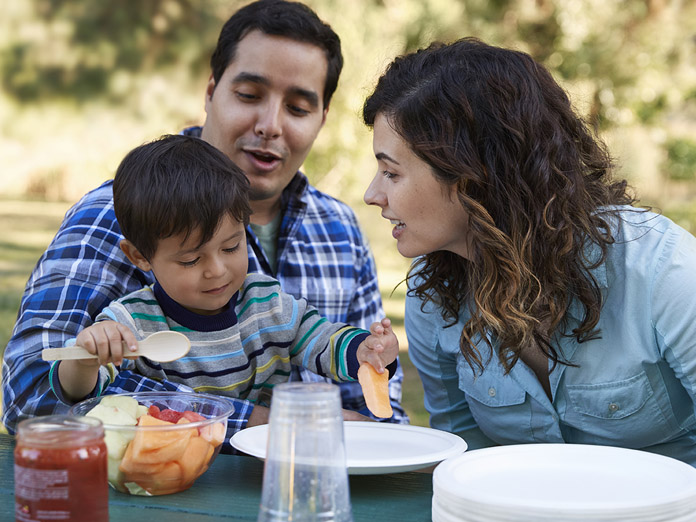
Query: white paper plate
374, 448
565, 478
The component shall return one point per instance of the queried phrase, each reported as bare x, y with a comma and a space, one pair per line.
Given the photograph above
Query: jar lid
64, 430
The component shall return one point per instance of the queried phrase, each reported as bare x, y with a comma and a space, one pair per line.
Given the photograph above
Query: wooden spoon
164, 346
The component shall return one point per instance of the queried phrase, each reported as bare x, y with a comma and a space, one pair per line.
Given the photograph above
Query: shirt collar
192, 320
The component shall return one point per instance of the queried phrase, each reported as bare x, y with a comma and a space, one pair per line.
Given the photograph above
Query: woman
542, 307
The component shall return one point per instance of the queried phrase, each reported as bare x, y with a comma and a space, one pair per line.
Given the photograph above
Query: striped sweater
245, 349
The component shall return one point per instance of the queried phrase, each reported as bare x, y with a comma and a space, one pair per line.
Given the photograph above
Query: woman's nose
374, 195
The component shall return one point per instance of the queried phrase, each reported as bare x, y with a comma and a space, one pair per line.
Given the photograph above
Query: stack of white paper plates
563, 482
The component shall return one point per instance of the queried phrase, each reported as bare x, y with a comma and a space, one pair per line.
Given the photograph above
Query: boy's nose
214, 268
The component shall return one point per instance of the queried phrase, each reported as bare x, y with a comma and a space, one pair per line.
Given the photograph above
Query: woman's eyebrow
386, 157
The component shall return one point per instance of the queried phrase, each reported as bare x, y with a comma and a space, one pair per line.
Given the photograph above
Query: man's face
266, 111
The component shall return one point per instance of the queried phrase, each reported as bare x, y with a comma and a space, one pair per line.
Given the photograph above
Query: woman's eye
388, 175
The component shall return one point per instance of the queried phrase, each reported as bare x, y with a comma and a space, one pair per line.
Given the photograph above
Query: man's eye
298, 110
245, 95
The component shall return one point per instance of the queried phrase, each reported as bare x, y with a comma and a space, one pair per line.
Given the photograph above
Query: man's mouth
263, 157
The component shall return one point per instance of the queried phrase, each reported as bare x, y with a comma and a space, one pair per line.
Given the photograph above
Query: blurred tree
83, 43
627, 64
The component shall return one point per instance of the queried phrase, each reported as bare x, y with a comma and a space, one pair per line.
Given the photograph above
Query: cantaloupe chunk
214, 433
195, 458
163, 482
130, 465
154, 446
375, 387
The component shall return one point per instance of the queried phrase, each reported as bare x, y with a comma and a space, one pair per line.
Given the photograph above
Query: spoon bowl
163, 346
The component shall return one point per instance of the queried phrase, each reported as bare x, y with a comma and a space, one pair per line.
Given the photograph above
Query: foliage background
84, 81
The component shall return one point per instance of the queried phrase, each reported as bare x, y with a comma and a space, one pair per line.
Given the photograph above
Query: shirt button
491, 392
613, 407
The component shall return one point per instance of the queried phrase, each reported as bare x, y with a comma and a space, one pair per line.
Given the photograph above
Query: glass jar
60, 470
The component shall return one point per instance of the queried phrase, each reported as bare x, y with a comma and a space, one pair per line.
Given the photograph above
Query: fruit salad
165, 459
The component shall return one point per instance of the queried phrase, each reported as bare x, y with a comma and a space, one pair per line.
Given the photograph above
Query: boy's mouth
215, 291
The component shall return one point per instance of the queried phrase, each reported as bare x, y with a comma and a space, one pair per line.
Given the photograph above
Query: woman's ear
134, 255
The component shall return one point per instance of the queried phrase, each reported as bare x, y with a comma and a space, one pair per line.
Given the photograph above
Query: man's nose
269, 124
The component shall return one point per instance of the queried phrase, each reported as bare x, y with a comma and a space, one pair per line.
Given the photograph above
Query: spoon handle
68, 352
74, 352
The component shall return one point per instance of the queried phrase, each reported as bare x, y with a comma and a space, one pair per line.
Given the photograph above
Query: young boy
183, 207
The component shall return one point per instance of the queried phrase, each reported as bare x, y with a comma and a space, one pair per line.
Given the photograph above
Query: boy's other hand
381, 347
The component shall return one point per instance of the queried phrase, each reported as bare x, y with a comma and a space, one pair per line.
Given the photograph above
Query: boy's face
203, 279
267, 109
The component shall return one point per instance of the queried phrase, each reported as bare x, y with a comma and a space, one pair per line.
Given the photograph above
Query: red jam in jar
60, 470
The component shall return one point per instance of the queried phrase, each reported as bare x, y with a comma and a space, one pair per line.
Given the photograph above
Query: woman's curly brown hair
534, 179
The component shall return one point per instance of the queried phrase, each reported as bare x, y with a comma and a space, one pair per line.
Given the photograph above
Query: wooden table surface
231, 490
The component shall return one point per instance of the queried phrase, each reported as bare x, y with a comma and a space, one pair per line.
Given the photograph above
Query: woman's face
426, 215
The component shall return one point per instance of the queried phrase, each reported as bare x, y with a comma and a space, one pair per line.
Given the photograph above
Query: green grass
28, 227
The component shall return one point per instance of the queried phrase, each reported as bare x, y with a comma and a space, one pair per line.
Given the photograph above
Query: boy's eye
231, 250
189, 263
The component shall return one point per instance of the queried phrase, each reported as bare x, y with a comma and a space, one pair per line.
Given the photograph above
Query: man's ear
134, 255
325, 112
210, 89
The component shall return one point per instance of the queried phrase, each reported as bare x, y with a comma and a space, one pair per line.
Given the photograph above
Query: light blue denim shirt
634, 387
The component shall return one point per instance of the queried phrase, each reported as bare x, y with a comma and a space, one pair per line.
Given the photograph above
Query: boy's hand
380, 348
106, 339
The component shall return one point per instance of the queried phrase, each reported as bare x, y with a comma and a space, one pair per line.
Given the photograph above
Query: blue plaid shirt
322, 257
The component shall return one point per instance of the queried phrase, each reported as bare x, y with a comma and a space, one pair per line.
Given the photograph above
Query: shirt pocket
497, 403
621, 412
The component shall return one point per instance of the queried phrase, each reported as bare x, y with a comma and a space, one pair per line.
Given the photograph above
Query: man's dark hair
177, 185
292, 20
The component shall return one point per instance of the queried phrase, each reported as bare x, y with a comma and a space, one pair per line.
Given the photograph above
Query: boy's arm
106, 339
81, 271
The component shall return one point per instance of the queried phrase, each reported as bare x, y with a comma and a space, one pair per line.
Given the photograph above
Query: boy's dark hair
279, 18
177, 185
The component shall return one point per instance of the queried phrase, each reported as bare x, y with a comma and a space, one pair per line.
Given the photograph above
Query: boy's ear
134, 255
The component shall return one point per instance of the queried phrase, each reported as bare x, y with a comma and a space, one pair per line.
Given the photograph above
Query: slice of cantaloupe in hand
375, 387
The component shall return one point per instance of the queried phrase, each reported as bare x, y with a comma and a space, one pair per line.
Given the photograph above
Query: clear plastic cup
305, 476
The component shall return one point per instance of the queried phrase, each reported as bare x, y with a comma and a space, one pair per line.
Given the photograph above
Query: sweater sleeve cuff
352, 363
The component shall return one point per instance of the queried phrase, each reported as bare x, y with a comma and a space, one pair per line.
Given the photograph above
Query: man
274, 71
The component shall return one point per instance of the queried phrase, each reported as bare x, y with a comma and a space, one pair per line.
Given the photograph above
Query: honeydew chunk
116, 442
112, 415
115, 474
142, 410
126, 404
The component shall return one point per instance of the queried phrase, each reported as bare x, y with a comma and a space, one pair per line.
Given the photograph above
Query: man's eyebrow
311, 96
385, 157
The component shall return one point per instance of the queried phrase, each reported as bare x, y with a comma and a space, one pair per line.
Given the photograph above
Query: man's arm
82, 270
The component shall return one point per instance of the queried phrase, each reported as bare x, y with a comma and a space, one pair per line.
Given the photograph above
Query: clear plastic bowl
160, 458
